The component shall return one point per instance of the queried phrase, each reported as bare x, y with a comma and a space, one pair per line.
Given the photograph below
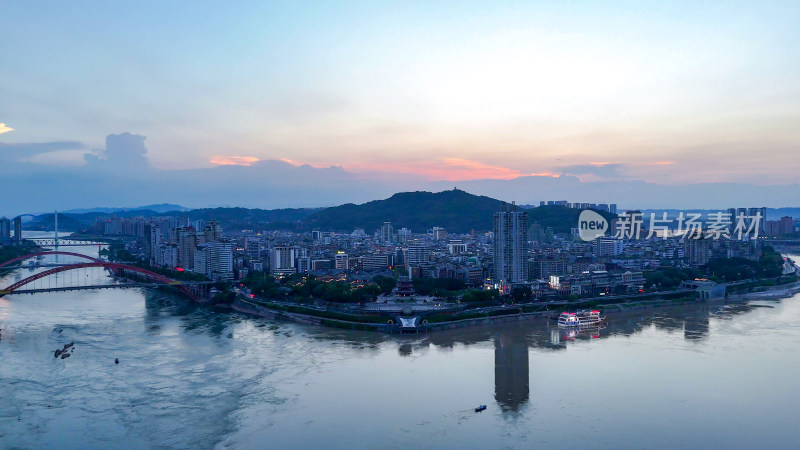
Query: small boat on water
480, 408
581, 318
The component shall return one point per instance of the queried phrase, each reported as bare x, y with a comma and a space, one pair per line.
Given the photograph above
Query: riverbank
770, 292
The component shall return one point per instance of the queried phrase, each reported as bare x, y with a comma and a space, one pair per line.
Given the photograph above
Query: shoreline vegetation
8, 252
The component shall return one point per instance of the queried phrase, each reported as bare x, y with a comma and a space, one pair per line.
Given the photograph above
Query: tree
386, 284
521, 293
479, 295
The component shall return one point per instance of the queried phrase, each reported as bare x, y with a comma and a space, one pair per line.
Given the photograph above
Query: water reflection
696, 325
511, 369
560, 336
405, 349
513, 342
194, 319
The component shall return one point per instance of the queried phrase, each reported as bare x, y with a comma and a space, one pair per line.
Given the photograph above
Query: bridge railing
186, 288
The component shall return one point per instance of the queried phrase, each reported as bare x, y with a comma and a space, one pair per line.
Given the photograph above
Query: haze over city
275, 106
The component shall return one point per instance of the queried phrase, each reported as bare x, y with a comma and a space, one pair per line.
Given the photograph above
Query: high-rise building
697, 251
387, 232
187, 241
220, 260
283, 260
303, 264
197, 224
749, 215
252, 245
168, 256
18, 230
439, 233
152, 242
786, 225
212, 231
511, 246
761, 214
403, 235
5, 230
201, 260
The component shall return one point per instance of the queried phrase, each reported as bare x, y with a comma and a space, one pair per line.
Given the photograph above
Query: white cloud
60, 158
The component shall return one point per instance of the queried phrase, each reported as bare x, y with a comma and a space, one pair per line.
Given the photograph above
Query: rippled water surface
701, 376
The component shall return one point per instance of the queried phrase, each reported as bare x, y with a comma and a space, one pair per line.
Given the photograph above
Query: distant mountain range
455, 210
159, 208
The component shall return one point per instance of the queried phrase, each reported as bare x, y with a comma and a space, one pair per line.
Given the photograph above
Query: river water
189, 376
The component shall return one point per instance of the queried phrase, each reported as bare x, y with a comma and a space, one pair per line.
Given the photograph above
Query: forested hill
453, 210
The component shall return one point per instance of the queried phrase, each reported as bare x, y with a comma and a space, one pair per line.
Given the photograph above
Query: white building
201, 259
456, 247
342, 261
220, 261
284, 260
608, 246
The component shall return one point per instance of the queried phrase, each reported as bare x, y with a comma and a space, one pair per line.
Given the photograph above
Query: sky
665, 93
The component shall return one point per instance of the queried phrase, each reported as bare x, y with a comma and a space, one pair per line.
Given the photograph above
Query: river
189, 376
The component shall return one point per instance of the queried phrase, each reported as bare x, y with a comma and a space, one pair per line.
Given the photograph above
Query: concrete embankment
770, 292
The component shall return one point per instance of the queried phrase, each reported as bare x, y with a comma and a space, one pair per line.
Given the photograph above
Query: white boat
582, 318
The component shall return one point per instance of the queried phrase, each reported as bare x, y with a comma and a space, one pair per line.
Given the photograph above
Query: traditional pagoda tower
404, 287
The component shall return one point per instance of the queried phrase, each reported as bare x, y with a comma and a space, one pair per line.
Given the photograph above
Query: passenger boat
582, 318
480, 408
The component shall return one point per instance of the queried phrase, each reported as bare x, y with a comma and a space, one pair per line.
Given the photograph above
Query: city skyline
543, 95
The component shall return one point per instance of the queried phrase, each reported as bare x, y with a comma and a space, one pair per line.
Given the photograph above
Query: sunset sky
665, 92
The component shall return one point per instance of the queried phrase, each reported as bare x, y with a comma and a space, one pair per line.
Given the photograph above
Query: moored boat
582, 318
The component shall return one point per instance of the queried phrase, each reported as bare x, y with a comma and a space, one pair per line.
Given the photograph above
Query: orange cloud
224, 160
298, 163
4, 128
447, 169
544, 174
294, 163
